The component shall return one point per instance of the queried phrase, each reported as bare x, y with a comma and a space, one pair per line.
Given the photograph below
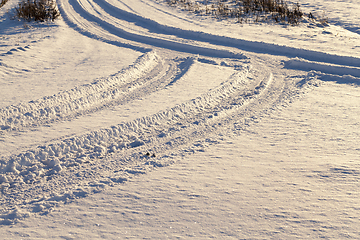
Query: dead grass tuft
258, 10
37, 10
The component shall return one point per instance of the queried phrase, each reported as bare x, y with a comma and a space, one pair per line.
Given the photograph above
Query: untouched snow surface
134, 119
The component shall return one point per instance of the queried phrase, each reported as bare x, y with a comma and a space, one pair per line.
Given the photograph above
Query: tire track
340, 70
109, 30
112, 155
40, 178
80, 99
155, 34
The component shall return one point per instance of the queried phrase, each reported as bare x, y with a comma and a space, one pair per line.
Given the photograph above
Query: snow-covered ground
134, 119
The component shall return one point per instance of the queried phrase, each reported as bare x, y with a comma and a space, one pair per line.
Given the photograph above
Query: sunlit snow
135, 119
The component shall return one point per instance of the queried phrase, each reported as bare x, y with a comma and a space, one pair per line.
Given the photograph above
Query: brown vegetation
37, 10
258, 10
2, 3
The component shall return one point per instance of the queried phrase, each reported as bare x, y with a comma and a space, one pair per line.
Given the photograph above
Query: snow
134, 119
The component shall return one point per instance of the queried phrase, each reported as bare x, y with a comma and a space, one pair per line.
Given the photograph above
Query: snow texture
136, 119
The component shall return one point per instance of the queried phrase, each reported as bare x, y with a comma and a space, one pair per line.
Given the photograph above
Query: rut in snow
80, 99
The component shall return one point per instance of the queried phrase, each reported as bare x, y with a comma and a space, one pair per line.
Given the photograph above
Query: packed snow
137, 119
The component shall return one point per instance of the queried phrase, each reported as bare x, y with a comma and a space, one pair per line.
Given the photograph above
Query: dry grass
2, 3
257, 10
37, 10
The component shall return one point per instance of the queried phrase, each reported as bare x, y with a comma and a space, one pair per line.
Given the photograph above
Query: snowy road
137, 108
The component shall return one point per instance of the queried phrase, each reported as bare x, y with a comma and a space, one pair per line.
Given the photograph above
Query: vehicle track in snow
114, 154
41, 176
122, 21
139, 29
83, 98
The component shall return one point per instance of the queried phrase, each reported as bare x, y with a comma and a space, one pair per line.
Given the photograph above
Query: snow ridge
123, 148
79, 99
97, 144
158, 133
305, 65
87, 163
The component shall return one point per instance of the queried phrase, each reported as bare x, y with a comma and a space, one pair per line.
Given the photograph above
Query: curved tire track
149, 32
82, 98
108, 29
112, 155
39, 178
